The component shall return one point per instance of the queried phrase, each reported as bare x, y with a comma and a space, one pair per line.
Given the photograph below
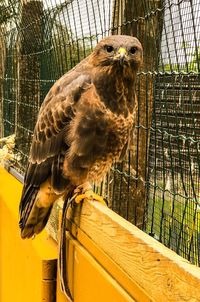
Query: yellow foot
89, 194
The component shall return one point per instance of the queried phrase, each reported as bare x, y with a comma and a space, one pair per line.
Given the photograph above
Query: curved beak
121, 54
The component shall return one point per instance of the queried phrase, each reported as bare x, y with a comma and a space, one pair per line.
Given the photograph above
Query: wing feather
48, 146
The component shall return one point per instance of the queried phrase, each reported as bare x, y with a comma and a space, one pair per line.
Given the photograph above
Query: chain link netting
157, 186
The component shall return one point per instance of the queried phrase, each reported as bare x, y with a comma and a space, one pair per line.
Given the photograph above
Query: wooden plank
163, 274
88, 280
135, 291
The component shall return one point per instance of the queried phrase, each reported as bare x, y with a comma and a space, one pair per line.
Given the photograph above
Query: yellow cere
122, 51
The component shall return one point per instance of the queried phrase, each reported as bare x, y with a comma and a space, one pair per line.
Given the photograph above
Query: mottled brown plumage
83, 125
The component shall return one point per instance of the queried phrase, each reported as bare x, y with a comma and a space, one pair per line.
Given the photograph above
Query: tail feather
32, 218
36, 221
36, 205
27, 201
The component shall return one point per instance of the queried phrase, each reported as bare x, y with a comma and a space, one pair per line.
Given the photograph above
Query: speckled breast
119, 136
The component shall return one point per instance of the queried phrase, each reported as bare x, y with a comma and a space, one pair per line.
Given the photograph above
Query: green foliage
195, 60
62, 51
174, 224
186, 67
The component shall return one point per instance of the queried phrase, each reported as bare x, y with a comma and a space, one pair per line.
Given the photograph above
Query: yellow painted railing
108, 259
27, 267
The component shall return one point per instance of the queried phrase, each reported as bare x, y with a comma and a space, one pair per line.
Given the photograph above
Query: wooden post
145, 268
49, 279
2, 62
148, 30
30, 46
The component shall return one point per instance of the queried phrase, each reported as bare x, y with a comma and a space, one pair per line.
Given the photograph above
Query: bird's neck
116, 89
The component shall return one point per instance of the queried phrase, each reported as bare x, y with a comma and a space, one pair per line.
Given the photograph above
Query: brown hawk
84, 124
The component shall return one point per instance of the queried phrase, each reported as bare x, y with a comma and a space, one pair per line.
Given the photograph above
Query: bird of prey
84, 124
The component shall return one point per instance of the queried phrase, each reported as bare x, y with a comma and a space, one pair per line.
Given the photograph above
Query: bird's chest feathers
119, 133
116, 138
98, 133
117, 92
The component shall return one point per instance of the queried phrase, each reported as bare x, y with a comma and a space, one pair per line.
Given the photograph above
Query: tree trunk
30, 46
147, 28
2, 66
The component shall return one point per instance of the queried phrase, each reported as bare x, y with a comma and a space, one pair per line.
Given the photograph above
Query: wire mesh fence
157, 186
173, 166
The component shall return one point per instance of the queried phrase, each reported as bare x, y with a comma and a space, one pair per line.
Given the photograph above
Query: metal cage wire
157, 186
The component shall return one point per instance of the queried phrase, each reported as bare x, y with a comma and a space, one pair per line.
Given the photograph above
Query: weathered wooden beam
152, 272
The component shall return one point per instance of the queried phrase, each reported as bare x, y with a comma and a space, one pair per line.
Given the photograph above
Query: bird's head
118, 51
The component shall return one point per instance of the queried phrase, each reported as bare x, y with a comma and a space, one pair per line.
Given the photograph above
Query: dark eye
109, 48
133, 50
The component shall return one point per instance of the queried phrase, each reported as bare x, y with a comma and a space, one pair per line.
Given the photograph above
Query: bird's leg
85, 191
86, 186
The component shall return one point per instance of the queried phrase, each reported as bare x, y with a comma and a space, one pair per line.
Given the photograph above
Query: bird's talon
91, 196
79, 198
